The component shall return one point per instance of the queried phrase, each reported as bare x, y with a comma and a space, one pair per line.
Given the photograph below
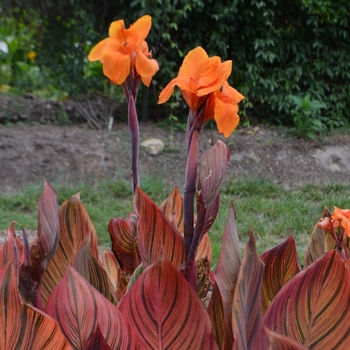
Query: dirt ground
40, 149
73, 153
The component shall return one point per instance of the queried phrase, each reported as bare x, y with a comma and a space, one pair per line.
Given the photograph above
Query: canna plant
155, 288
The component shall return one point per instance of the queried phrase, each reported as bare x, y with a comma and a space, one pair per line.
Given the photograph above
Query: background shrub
279, 48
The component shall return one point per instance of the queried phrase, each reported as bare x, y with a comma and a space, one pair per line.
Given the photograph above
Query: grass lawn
269, 210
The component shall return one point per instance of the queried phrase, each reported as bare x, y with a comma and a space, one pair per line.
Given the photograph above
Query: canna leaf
97, 342
227, 270
319, 243
156, 232
313, 307
280, 342
205, 249
211, 173
79, 309
91, 269
111, 266
172, 208
10, 249
75, 225
23, 327
138, 271
281, 264
203, 277
44, 247
164, 312
246, 310
124, 243
216, 314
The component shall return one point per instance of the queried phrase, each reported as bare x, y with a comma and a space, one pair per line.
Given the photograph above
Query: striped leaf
10, 249
44, 247
211, 174
124, 243
111, 266
91, 269
246, 310
320, 242
21, 326
313, 307
156, 232
280, 342
172, 208
79, 309
226, 274
205, 249
216, 314
75, 225
164, 312
281, 264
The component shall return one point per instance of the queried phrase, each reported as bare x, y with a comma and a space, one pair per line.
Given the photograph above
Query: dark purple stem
134, 140
190, 189
130, 88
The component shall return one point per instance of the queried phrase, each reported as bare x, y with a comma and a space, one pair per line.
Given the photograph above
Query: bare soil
70, 153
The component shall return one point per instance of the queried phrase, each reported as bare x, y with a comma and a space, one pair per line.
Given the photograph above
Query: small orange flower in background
341, 217
126, 49
31, 55
204, 79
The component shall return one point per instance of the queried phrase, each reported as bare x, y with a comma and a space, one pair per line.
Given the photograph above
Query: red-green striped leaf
91, 269
164, 312
216, 314
79, 308
246, 310
226, 274
21, 326
212, 171
44, 247
156, 232
280, 342
124, 243
75, 225
205, 249
281, 264
203, 277
319, 243
313, 307
97, 342
10, 250
111, 266
172, 208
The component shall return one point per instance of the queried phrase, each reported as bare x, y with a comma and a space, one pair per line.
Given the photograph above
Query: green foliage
279, 49
306, 116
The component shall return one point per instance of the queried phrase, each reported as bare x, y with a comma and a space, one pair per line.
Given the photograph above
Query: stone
153, 146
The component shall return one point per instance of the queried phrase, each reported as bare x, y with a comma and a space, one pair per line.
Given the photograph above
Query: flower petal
226, 117
223, 73
230, 95
191, 63
167, 91
114, 27
96, 52
145, 67
142, 27
116, 66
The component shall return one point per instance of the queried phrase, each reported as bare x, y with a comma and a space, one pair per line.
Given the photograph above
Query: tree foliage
279, 48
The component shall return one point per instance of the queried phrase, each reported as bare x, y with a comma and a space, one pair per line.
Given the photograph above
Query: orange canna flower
204, 79
126, 49
341, 217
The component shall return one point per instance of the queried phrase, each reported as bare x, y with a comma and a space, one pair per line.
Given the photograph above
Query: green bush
279, 48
